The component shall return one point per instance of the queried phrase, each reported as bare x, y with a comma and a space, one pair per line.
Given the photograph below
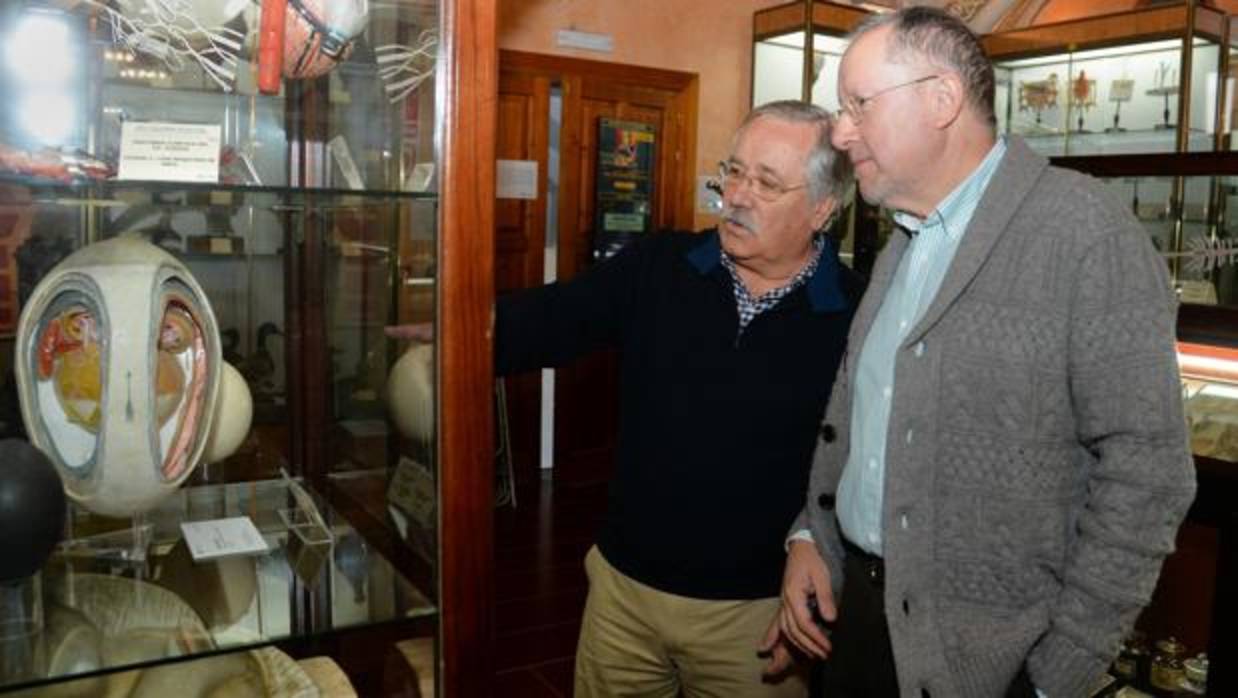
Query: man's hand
806, 599
418, 332
777, 649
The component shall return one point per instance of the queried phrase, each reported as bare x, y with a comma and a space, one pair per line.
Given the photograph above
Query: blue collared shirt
824, 284
934, 241
750, 306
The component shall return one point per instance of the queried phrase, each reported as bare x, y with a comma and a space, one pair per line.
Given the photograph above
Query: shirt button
902, 521
872, 463
910, 435
919, 350
872, 537
887, 391
902, 324
828, 433
825, 500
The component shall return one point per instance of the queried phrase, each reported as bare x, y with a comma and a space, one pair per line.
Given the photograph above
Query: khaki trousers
638, 641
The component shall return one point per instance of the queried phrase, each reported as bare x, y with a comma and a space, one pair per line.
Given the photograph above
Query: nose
844, 132
738, 194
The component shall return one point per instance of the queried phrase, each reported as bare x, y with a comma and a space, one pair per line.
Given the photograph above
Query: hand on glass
417, 332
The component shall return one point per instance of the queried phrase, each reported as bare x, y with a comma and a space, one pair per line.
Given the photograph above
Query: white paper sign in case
169, 152
217, 538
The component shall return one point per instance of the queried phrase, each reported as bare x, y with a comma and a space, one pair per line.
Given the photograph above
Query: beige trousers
638, 641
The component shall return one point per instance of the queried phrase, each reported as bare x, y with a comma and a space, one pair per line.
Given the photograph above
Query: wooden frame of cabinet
468, 95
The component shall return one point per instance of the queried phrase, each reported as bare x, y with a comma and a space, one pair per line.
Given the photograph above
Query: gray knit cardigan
1037, 466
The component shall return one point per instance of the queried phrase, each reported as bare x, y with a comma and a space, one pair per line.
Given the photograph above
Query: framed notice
623, 201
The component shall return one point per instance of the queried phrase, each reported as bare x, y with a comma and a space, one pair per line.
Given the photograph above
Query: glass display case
796, 48
1143, 81
246, 253
1188, 218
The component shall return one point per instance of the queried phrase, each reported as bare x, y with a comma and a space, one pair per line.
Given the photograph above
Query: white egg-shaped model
234, 412
410, 392
118, 370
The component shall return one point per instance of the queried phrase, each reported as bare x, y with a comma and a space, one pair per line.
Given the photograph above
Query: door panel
522, 134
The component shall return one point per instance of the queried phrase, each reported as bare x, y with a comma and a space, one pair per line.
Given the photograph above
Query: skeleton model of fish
119, 369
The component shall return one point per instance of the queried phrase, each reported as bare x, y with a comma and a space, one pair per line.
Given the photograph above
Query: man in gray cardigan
1003, 464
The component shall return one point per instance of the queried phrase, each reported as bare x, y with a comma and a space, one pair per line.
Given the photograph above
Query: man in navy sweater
729, 341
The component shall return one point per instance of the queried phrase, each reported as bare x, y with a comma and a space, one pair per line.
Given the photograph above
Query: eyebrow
760, 167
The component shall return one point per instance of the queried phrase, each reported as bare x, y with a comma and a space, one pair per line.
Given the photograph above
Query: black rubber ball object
32, 507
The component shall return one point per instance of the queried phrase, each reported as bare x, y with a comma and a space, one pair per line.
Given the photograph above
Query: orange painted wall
710, 38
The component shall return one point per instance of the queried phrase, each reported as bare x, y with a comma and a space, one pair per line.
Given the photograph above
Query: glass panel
1149, 199
316, 575
1203, 256
778, 68
1108, 101
1222, 249
1204, 83
829, 53
1231, 83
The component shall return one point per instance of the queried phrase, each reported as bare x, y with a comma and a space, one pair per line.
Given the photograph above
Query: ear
948, 99
821, 212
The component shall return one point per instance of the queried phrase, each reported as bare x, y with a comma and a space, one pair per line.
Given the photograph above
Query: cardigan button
825, 500
828, 433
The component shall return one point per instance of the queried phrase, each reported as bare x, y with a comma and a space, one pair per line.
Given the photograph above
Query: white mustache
740, 217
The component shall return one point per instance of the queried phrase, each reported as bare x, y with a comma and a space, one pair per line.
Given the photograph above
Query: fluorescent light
41, 49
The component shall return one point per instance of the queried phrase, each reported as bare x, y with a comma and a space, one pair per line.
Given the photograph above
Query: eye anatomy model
68, 355
119, 371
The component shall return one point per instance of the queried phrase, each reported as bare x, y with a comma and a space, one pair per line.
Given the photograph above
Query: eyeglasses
854, 106
762, 186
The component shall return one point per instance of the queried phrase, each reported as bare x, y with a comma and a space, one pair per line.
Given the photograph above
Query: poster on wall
623, 202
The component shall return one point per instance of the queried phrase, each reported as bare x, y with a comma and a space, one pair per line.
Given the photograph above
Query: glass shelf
164, 605
108, 188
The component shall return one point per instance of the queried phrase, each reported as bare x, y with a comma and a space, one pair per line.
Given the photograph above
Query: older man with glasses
1003, 465
729, 341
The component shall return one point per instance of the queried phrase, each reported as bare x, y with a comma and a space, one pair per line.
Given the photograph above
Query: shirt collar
955, 211
824, 288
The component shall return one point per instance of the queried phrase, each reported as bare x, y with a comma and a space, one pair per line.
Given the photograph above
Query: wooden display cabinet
344, 203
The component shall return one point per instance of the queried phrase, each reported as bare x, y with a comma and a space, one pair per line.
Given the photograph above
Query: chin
874, 196
732, 237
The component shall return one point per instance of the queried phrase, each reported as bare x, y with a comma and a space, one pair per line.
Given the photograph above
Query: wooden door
523, 132
586, 394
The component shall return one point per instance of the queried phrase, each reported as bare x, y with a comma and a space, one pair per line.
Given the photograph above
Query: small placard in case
216, 538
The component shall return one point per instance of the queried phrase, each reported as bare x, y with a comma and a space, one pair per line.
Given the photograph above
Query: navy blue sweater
716, 428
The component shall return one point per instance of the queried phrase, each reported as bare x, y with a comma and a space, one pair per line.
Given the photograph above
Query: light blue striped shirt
920, 271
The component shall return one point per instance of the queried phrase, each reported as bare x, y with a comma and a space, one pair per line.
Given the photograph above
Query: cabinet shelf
105, 192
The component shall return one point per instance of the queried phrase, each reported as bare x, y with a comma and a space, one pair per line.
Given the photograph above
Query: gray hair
944, 40
827, 174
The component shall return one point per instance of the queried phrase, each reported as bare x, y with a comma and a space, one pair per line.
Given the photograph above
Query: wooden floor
540, 585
